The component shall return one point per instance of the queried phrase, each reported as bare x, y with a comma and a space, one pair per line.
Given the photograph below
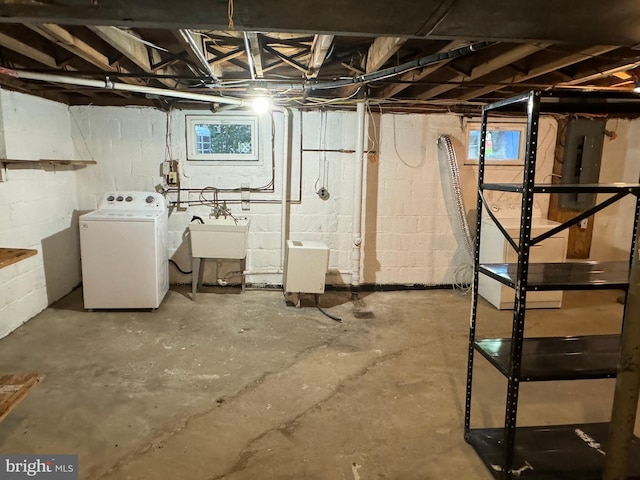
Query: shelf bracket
577, 219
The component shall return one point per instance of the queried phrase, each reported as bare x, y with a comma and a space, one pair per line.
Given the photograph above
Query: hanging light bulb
261, 105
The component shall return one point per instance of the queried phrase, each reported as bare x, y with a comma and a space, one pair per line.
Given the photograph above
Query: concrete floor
240, 386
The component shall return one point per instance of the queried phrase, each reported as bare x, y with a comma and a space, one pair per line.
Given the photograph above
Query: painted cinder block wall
407, 222
38, 208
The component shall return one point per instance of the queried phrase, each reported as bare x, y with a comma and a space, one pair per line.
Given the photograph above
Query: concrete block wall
408, 234
38, 208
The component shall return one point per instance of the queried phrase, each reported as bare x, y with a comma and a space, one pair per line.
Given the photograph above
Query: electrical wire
84, 140
324, 312
230, 14
320, 147
395, 146
172, 262
372, 143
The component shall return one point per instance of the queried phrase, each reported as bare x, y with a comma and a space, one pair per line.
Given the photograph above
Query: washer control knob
110, 198
150, 199
119, 199
129, 198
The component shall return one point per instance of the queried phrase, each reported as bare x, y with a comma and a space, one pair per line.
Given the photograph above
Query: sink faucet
223, 210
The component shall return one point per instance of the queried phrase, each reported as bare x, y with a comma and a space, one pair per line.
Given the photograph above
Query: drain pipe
125, 87
286, 154
357, 202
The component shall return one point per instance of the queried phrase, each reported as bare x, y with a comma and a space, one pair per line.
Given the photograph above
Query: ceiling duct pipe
125, 87
197, 53
247, 47
405, 67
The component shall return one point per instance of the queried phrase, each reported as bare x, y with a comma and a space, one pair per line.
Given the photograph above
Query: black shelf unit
557, 452
561, 451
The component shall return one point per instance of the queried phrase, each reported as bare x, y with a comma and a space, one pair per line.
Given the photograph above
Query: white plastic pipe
285, 183
125, 87
357, 199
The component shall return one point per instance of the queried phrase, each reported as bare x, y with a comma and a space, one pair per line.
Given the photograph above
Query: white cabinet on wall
494, 248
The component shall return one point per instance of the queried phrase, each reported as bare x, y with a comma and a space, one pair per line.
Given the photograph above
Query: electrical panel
581, 161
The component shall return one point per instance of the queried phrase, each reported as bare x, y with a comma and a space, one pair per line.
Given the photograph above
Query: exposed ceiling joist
417, 75
381, 50
319, 50
542, 69
64, 39
499, 61
27, 51
603, 73
132, 49
255, 52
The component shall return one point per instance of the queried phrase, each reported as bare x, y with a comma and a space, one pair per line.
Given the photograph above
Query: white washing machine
124, 251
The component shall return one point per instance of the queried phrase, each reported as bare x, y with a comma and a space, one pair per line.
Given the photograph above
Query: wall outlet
172, 178
583, 224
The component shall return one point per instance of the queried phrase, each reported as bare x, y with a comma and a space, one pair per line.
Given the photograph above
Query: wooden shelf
9, 256
46, 161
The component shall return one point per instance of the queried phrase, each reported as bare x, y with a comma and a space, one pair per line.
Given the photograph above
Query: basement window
504, 143
222, 138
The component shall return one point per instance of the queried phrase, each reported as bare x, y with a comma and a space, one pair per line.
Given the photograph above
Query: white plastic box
305, 266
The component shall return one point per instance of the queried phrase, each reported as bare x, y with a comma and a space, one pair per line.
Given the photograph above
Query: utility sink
219, 238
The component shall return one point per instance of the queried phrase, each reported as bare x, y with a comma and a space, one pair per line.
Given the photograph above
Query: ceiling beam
134, 50
381, 50
64, 39
417, 75
607, 72
319, 50
27, 51
255, 52
499, 61
542, 69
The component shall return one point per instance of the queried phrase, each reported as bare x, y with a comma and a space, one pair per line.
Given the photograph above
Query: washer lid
122, 215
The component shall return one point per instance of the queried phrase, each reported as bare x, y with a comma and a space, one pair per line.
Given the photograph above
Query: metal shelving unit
561, 451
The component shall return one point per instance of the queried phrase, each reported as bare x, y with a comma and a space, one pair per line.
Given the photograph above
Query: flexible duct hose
445, 145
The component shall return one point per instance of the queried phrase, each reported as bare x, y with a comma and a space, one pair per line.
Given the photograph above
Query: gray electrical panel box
583, 142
